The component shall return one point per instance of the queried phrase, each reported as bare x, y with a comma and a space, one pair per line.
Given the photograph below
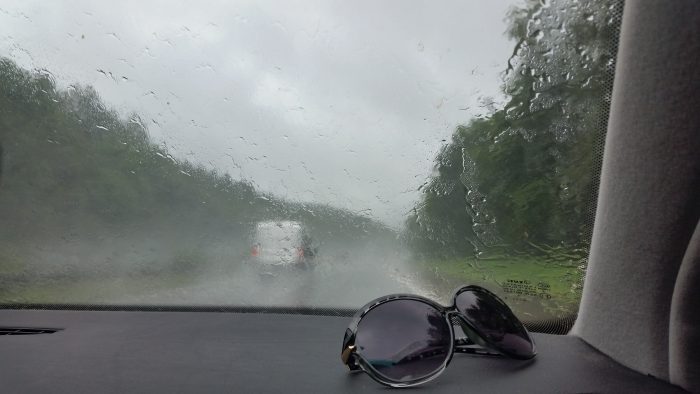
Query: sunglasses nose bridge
456, 320
454, 316
451, 314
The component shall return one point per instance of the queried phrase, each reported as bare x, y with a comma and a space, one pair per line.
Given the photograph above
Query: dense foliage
526, 175
71, 167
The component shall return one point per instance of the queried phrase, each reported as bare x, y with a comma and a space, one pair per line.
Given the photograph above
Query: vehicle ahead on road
281, 244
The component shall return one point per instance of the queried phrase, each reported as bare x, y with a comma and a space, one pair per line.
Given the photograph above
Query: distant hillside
72, 167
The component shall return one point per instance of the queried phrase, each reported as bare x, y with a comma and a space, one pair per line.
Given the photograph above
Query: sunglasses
404, 340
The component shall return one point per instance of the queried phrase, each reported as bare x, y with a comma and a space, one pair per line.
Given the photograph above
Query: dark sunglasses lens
496, 322
404, 340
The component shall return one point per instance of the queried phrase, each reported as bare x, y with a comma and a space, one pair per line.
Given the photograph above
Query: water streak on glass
302, 153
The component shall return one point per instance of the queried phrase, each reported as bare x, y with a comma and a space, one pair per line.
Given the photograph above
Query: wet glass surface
407, 149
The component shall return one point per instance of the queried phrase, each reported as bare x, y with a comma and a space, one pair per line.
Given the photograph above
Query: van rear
279, 243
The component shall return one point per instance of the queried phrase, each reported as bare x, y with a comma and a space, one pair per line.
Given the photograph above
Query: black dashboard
184, 352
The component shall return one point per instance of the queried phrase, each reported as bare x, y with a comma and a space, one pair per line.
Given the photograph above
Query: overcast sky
340, 102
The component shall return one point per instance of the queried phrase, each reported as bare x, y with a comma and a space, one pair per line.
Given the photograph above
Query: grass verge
536, 289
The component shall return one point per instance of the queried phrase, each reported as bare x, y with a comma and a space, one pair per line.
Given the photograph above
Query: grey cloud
336, 102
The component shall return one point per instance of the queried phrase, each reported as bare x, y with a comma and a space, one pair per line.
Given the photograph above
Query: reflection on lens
404, 340
496, 322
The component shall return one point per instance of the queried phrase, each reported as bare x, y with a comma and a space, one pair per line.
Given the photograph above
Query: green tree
527, 174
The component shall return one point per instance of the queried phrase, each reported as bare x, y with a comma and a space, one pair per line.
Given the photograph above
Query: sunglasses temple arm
463, 342
353, 364
465, 345
349, 358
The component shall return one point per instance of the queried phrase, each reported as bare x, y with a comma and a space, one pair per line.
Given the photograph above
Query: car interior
636, 330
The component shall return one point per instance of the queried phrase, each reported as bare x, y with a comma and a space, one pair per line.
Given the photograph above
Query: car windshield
312, 154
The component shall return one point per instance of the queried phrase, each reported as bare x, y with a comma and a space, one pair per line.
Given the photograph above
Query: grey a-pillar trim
649, 201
